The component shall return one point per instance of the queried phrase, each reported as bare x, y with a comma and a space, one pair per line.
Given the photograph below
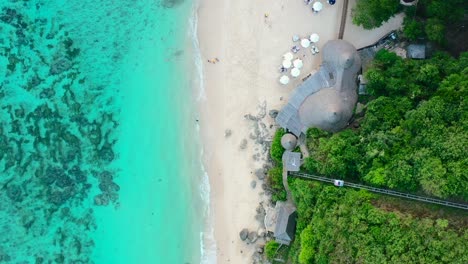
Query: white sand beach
249, 38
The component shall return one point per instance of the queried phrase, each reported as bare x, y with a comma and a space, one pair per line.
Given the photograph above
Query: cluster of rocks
49, 144
260, 133
260, 136
251, 238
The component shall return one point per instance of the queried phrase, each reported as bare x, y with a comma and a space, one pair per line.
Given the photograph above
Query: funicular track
383, 191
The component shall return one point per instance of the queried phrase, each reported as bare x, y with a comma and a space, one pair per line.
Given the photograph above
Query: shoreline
249, 38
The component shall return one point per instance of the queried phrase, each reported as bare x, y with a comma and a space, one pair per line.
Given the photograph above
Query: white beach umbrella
317, 6
295, 38
305, 43
314, 37
288, 56
287, 64
295, 72
284, 80
298, 63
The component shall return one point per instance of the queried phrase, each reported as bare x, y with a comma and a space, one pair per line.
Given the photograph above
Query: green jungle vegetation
429, 19
409, 135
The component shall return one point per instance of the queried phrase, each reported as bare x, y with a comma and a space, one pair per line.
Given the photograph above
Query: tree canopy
414, 133
343, 226
373, 13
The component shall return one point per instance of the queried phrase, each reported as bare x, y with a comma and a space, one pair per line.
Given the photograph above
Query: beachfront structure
288, 141
285, 223
327, 98
291, 160
281, 221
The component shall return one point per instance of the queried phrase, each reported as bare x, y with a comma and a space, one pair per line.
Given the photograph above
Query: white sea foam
207, 240
193, 29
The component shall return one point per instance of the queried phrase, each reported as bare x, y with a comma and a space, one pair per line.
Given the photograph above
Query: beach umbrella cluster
288, 63
297, 64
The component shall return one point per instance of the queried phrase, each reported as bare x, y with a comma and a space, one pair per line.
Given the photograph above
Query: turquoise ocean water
99, 147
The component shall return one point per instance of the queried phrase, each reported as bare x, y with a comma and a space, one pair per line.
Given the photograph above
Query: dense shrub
347, 228
271, 247
275, 181
413, 135
277, 150
373, 13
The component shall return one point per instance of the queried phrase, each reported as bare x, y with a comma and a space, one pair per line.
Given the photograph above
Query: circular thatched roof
325, 109
341, 55
288, 141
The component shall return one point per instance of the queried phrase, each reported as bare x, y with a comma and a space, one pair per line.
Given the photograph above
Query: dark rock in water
101, 199
28, 220
4, 258
171, 3
244, 234
77, 174
64, 181
109, 187
60, 258
60, 65
65, 211
19, 113
94, 135
14, 193
71, 139
47, 93
273, 113
60, 197
51, 174
106, 176
71, 156
106, 153
8, 15
39, 260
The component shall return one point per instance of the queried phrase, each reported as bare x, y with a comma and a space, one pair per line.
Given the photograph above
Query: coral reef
52, 139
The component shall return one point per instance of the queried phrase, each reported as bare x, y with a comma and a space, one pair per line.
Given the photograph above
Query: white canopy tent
288, 56
284, 80
314, 38
317, 6
298, 63
305, 43
295, 72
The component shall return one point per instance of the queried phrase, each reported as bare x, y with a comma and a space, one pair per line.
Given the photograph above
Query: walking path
344, 13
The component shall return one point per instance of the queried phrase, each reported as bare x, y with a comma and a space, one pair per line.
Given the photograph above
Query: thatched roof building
288, 141
326, 99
